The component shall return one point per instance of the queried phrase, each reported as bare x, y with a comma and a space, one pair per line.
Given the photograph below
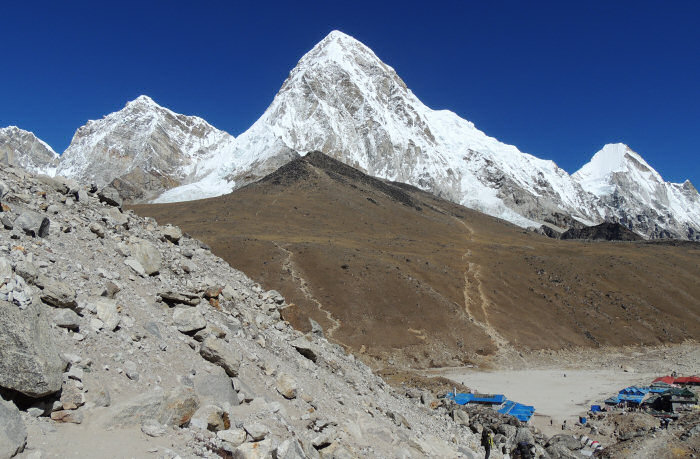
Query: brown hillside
405, 277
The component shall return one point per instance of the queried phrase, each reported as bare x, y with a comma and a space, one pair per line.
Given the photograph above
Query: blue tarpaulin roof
633, 394
463, 399
518, 410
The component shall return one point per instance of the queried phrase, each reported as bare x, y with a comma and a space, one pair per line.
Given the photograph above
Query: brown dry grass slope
401, 276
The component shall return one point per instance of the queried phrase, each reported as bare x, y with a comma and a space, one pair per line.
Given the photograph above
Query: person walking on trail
487, 442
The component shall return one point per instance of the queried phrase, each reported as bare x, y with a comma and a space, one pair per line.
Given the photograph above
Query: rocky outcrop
193, 352
29, 362
13, 434
604, 232
20, 148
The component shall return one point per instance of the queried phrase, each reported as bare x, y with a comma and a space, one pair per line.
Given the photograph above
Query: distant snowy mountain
142, 149
633, 193
23, 149
342, 100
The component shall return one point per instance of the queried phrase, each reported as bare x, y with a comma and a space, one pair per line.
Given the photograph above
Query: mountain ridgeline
342, 100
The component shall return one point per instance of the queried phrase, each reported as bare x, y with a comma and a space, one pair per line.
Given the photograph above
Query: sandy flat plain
554, 396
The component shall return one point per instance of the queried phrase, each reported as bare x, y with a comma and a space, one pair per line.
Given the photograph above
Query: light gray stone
461, 417
173, 408
72, 397
209, 417
115, 217
5, 269
136, 266
152, 428
97, 229
221, 353
66, 318
172, 233
107, 312
26, 271
13, 434
524, 435
256, 430
257, 450
290, 449
82, 196
33, 224
235, 437
58, 294
29, 361
215, 388
110, 196
287, 386
188, 320
148, 256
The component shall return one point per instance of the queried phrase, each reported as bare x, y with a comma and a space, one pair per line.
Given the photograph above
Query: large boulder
33, 224
287, 386
221, 353
148, 257
188, 320
29, 362
210, 417
216, 389
110, 196
58, 294
173, 408
13, 434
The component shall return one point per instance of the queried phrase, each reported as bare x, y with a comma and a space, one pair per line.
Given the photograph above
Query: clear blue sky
556, 79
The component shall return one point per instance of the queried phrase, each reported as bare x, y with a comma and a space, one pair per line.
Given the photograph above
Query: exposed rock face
603, 232
13, 435
29, 362
125, 356
23, 149
141, 150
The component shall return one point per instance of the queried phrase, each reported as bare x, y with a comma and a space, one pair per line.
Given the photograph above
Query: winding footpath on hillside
475, 300
303, 287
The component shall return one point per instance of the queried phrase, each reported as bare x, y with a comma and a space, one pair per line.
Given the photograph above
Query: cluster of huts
665, 397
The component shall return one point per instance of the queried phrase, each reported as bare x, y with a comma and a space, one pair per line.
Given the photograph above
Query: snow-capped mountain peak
143, 100
24, 149
615, 158
342, 100
146, 147
631, 191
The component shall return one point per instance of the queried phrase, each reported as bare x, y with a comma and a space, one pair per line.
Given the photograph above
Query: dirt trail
289, 266
476, 303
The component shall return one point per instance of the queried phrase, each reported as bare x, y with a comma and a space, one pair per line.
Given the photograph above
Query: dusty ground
408, 280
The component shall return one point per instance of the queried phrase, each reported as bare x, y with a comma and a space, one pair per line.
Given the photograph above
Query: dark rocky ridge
606, 231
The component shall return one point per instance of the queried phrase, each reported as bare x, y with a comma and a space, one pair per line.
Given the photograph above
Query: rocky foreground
122, 337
